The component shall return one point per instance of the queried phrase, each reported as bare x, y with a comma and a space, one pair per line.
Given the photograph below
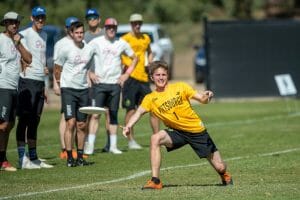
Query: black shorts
92, 101
133, 93
201, 143
31, 97
8, 105
107, 95
72, 100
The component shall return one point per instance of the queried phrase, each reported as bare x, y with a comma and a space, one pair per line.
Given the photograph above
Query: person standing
31, 91
93, 19
11, 52
137, 85
107, 77
71, 70
171, 104
57, 47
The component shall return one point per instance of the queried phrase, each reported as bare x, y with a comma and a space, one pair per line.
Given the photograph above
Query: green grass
260, 142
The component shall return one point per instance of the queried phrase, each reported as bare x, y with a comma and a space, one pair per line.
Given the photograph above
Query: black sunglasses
40, 17
12, 21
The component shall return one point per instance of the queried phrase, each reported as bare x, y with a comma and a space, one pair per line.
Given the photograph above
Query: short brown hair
157, 64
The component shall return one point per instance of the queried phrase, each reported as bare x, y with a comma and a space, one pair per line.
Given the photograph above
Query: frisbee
92, 110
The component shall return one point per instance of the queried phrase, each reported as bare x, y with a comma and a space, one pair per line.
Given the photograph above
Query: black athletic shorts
72, 100
133, 93
31, 97
8, 105
201, 142
107, 95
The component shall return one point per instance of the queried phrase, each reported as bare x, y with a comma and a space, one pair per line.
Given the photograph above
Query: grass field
260, 141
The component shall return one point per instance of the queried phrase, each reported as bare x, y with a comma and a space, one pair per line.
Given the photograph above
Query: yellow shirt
139, 46
173, 107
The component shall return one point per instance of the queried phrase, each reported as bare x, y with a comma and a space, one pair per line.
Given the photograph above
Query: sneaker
115, 151
42, 164
226, 179
6, 166
134, 145
82, 162
63, 155
27, 164
151, 185
88, 148
71, 163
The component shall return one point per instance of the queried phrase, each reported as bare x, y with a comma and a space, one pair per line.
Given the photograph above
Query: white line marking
136, 175
209, 125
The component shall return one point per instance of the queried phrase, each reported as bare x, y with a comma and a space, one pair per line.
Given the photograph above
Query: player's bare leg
219, 165
157, 139
132, 144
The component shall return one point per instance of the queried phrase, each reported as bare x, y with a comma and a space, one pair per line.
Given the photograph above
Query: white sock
91, 138
113, 141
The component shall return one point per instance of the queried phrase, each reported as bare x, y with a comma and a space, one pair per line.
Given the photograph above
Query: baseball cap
91, 11
135, 17
110, 22
38, 10
11, 15
70, 20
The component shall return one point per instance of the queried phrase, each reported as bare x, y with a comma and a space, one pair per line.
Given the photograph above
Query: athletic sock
79, 153
69, 154
32, 153
91, 138
155, 180
113, 141
21, 153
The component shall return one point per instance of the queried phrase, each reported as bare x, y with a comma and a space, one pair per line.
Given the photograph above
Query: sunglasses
111, 27
39, 17
92, 17
12, 21
137, 23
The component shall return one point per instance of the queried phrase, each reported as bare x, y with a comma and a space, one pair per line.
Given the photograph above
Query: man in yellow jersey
137, 86
171, 104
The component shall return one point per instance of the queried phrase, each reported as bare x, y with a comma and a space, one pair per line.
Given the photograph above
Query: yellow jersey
139, 45
173, 107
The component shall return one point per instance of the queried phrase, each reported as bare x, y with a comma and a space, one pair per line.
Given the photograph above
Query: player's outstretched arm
203, 97
133, 119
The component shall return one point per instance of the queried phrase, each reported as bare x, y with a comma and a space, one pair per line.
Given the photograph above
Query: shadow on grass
192, 185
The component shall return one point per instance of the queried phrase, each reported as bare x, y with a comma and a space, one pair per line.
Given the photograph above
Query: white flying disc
92, 110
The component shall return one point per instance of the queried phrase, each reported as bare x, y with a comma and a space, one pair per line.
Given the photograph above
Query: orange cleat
63, 155
151, 185
226, 179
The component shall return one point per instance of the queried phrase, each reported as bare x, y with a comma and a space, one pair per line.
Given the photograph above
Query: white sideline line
139, 174
213, 124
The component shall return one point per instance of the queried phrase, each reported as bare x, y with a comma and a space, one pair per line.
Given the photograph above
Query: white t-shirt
75, 63
9, 63
61, 44
107, 59
35, 43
